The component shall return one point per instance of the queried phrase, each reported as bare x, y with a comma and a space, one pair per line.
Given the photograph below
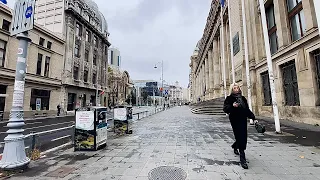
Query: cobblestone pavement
198, 144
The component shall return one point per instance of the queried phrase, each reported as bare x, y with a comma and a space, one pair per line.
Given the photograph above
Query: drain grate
167, 173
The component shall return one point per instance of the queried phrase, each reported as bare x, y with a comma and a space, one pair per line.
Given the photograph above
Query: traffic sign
166, 92
23, 16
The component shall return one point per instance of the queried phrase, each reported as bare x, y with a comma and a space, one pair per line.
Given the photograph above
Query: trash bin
91, 128
121, 116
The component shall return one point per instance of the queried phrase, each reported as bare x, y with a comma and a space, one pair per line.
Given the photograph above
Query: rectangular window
94, 78
88, 36
118, 60
86, 55
40, 99
41, 41
75, 73
49, 44
272, 29
95, 58
46, 66
111, 57
290, 84
266, 89
85, 76
78, 29
95, 41
296, 19
77, 50
3, 46
317, 64
39, 64
6, 25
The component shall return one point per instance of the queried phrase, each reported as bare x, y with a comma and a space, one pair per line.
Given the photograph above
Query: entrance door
71, 101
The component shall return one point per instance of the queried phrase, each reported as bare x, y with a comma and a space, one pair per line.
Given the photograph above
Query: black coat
238, 119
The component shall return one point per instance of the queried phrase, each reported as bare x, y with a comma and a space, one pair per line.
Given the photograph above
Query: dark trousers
239, 128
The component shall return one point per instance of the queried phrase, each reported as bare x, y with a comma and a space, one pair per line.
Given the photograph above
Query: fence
53, 138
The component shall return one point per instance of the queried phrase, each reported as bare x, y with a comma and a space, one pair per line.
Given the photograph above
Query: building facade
44, 65
295, 47
114, 57
120, 86
85, 69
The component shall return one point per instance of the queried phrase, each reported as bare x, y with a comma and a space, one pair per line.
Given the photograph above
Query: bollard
138, 116
33, 142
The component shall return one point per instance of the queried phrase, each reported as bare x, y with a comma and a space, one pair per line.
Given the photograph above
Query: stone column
309, 14
216, 68
211, 74
280, 11
204, 79
207, 77
225, 51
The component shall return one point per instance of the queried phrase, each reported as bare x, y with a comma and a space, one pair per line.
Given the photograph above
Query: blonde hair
233, 85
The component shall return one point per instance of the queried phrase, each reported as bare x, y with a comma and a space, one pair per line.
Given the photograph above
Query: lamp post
161, 77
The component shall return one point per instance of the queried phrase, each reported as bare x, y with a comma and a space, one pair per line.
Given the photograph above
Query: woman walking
237, 107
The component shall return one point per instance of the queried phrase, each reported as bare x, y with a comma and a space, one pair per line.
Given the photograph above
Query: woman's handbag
260, 128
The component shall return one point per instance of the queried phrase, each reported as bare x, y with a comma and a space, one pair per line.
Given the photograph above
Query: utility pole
231, 43
246, 54
14, 155
222, 52
270, 68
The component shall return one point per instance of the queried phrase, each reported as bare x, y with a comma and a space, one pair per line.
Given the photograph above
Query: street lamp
155, 66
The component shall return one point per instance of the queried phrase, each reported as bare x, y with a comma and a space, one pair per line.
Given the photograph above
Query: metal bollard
138, 116
33, 142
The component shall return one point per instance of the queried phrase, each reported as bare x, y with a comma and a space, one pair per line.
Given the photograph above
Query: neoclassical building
295, 47
120, 86
85, 65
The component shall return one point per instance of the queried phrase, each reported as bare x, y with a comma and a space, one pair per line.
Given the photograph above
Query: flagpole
270, 68
231, 44
246, 54
222, 51
317, 4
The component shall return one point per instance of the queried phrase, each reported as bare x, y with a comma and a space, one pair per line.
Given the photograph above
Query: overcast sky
148, 31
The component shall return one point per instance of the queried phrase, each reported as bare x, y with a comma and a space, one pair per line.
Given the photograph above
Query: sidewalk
198, 144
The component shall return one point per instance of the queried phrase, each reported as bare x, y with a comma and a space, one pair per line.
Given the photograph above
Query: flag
3, 1
222, 3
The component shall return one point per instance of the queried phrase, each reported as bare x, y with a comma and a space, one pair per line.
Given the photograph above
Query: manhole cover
167, 173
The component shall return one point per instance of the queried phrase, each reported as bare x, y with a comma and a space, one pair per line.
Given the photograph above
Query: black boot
243, 160
235, 149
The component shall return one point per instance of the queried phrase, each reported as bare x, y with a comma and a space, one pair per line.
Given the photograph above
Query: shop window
40, 99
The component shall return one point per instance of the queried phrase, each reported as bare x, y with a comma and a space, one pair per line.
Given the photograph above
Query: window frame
272, 30
77, 74
8, 23
291, 15
39, 64
47, 66
41, 41
77, 48
49, 44
4, 50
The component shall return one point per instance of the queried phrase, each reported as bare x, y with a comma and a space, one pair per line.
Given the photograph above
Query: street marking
49, 131
34, 123
56, 148
48, 125
56, 139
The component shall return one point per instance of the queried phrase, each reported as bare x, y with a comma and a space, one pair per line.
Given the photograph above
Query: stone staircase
211, 107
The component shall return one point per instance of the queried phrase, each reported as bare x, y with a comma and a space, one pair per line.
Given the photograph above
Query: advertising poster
38, 104
120, 114
84, 131
120, 120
